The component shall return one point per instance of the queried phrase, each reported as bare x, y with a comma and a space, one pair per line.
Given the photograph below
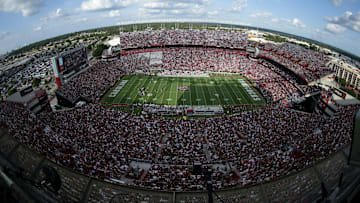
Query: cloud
239, 5
168, 8
101, 5
336, 3
213, 13
4, 35
37, 29
26, 7
320, 32
347, 20
285, 21
158, 5
335, 28
56, 15
114, 13
80, 20
297, 23
261, 15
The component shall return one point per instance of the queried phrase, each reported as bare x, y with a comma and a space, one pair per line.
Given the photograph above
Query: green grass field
180, 91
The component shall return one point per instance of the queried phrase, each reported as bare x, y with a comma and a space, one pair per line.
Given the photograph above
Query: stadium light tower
120, 31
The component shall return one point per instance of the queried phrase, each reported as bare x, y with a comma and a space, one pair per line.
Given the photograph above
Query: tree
342, 82
36, 82
12, 91
99, 49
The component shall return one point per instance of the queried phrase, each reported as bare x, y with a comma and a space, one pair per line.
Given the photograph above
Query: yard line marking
211, 92
136, 95
231, 97
217, 92
203, 92
128, 91
163, 91
246, 95
177, 90
190, 92
152, 89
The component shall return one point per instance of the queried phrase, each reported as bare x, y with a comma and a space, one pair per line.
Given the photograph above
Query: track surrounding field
180, 91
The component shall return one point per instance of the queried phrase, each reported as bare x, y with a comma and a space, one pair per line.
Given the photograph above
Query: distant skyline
334, 22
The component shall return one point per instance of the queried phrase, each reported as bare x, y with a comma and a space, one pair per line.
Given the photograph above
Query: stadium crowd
271, 81
90, 85
261, 144
274, 83
306, 63
183, 37
258, 145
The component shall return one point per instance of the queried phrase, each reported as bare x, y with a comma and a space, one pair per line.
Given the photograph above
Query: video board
68, 61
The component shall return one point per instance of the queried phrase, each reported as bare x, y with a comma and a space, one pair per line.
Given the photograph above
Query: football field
182, 91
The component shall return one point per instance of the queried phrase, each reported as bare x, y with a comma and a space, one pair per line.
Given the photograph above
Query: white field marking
239, 99
163, 93
152, 89
247, 95
136, 95
245, 86
203, 93
177, 86
228, 91
114, 92
168, 99
218, 90
214, 89
210, 91
198, 99
216, 95
190, 92
154, 99
196, 92
183, 94
117, 100
128, 98
170, 93
239, 89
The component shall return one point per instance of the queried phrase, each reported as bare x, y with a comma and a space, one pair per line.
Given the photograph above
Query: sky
335, 22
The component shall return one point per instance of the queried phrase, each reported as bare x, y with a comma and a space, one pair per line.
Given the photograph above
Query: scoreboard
69, 62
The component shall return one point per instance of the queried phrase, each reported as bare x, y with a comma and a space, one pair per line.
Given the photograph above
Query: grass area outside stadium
205, 91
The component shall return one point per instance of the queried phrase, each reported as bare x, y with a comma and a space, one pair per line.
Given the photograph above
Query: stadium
175, 114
